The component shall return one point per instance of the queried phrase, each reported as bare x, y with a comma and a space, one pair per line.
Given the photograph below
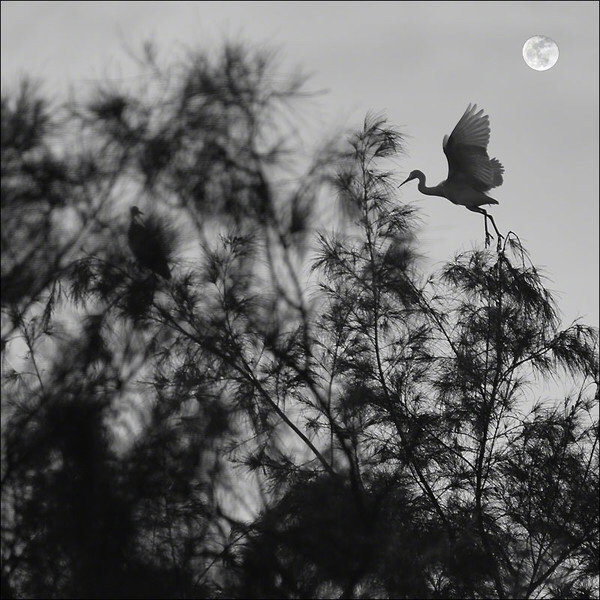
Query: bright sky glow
421, 63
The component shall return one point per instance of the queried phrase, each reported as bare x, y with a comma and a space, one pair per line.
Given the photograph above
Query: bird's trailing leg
489, 237
500, 236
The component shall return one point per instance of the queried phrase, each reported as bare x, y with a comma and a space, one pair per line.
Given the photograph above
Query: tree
295, 413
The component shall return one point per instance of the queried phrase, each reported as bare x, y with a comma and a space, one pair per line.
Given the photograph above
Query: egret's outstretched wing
466, 151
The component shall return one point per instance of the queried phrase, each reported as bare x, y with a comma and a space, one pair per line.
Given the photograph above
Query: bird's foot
488, 239
499, 243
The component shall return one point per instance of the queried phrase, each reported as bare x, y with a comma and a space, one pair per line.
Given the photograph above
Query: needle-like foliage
270, 398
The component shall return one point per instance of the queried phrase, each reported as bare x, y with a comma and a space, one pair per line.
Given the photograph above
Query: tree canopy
300, 411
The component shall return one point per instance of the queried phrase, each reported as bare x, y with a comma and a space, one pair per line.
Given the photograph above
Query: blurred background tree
298, 411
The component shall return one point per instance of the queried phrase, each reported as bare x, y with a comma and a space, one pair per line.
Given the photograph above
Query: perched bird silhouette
471, 172
148, 244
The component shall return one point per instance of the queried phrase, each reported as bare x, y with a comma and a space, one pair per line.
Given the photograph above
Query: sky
421, 63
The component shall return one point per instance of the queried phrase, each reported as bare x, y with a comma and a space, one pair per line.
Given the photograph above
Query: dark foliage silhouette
255, 391
150, 243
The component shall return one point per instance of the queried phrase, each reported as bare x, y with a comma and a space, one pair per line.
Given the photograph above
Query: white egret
471, 172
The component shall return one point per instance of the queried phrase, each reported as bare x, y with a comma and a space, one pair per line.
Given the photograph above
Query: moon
540, 52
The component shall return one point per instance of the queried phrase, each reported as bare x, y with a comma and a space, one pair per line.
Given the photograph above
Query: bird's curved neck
436, 190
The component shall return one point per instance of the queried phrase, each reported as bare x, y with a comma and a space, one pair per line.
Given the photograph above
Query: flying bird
149, 243
471, 172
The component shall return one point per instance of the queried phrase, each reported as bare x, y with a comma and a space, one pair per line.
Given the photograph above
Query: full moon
540, 52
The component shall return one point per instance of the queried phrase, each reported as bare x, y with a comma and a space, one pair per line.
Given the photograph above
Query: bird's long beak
405, 181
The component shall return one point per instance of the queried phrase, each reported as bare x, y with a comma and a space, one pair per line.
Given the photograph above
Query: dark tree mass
149, 244
226, 374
